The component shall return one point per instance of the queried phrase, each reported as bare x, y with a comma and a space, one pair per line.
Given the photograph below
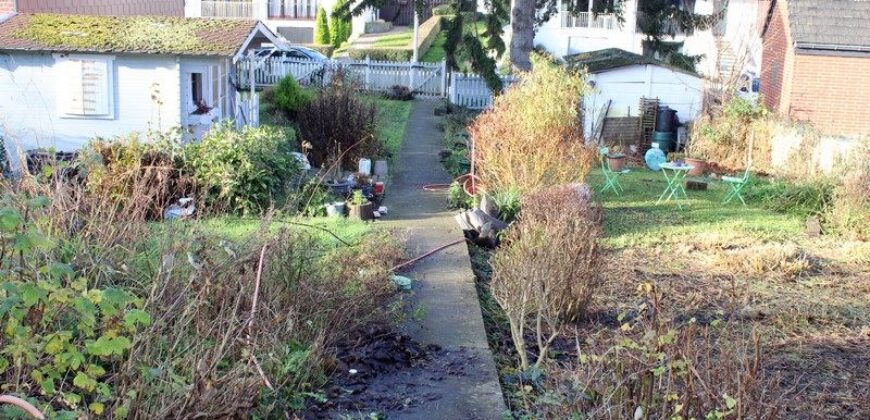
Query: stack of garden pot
666, 129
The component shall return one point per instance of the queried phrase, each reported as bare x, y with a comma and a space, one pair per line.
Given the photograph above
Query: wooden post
444, 78
368, 72
411, 75
452, 88
416, 34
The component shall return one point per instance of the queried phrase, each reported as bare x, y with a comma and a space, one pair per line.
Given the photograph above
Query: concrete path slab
448, 313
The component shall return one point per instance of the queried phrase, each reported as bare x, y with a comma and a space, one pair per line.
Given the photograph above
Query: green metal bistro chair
611, 177
737, 184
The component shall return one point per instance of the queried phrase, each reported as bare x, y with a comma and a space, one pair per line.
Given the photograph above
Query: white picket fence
425, 79
471, 90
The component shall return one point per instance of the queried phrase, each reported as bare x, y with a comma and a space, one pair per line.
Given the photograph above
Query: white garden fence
425, 79
471, 90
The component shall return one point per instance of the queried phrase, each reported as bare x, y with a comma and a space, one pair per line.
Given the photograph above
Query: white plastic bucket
365, 166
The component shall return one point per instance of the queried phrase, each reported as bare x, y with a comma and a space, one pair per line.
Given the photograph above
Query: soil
383, 372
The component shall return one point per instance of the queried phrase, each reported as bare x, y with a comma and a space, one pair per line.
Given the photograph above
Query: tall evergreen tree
321, 29
340, 25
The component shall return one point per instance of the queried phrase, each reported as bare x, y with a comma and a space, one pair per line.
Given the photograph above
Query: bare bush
654, 368
338, 126
546, 271
532, 136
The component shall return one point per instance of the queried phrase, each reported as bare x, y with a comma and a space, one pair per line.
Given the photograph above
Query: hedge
326, 50
428, 33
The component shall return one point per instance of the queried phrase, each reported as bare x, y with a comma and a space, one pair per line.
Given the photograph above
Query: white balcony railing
605, 21
293, 9
229, 9
259, 9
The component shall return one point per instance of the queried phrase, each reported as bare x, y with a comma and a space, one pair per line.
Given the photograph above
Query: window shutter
70, 87
84, 86
95, 87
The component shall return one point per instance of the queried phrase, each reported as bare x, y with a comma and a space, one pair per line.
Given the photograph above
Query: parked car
277, 61
290, 52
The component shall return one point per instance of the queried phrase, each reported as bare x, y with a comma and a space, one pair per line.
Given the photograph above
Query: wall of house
777, 61
625, 86
832, 92
105, 7
564, 41
29, 87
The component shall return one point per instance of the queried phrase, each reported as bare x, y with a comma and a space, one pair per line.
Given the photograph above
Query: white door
196, 91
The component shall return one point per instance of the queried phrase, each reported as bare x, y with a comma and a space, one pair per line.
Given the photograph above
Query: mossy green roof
124, 34
612, 58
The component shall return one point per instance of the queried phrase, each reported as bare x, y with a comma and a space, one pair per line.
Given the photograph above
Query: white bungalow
65, 79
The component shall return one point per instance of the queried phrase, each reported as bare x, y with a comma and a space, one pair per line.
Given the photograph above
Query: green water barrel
665, 139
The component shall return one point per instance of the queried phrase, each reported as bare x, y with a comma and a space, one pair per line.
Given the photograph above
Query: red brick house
96, 7
816, 63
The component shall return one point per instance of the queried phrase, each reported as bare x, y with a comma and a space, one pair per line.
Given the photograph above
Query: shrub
531, 138
339, 27
546, 270
242, 170
399, 93
290, 97
444, 10
144, 175
381, 54
338, 126
321, 28
325, 49
726, 137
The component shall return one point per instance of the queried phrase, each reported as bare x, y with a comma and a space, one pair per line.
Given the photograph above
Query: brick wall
6, 6
105, 7
832, 92
777, 60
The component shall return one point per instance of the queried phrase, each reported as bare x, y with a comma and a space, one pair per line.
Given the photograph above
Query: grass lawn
634, 219
399, 40
392, 119
807, 296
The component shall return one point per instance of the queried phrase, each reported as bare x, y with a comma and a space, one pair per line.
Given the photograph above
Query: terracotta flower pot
361, 211
616, 162
699, 166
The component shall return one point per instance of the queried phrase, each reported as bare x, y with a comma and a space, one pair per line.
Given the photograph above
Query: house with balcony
291, 19
734, 42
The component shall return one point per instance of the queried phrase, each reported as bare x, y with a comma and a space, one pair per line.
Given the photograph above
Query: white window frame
63, 83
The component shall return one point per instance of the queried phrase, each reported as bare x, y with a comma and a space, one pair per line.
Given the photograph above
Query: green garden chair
737, 184
611, 177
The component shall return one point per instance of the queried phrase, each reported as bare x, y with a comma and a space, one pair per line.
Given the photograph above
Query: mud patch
383, 371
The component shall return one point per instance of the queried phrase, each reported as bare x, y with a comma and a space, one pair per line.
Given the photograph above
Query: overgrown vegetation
245, 170
289, 97
531, 138
106, 314
338, 127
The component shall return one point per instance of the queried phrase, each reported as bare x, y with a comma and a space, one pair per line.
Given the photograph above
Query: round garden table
674, 175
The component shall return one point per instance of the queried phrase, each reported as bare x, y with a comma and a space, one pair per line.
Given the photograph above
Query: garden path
463, 381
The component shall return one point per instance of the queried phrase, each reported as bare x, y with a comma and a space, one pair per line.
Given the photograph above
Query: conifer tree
321, 29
